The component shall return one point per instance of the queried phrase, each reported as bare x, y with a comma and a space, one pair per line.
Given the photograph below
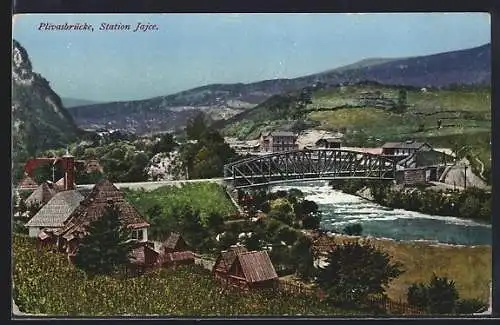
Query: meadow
469, 266
45, 283
204, 197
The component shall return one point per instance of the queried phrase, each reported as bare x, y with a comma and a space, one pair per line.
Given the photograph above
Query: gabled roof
57, 210
94, 206
172, 240
257, 266
330, 140
178, 256
27, 182
42, 194
228, 257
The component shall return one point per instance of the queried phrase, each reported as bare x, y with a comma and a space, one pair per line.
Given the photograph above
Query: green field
203, 197
465, 116
46, 284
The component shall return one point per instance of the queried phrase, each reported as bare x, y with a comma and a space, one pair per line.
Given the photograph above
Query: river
340, 209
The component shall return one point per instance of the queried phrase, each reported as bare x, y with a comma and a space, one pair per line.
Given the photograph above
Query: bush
353, 230
356, 271
439, 296
470, 306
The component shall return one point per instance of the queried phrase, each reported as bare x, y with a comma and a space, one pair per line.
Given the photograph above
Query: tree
287, 235
165, 144
311, 221
417, 295
196, 127
303, 257
355, 271
105, 249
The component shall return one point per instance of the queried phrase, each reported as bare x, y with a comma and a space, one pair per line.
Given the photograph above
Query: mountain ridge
222, 101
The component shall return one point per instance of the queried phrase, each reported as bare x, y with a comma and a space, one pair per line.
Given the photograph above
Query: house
225, 260
278, 141
328, 143
403, 149
175, 243
92, 208
52, 215
252, 270
42, 194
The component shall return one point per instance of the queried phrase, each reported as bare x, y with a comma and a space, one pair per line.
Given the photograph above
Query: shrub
353, 230
356, 271
470, 306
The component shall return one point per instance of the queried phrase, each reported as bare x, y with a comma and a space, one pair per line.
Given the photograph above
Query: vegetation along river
340, 209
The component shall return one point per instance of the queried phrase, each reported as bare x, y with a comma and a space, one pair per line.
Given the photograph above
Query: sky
191, 50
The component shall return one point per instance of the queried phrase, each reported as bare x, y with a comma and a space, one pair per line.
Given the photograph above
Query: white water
340, 209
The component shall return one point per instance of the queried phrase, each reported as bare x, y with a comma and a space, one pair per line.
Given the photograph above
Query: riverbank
471, 204
469, 266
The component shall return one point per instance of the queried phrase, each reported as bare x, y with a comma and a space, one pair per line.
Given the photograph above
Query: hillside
73, 102
465, 114
223, 101
39, 119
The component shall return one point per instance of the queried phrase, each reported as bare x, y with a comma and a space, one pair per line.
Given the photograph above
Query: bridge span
310, 165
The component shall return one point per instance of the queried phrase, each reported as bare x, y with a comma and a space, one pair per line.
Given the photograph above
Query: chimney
69, 171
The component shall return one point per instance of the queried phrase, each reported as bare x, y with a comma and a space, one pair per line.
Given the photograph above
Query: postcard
300, 165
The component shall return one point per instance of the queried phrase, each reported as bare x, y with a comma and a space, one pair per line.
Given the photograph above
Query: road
149, 186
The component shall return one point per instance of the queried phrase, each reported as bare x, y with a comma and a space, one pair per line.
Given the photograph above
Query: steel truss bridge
310, 165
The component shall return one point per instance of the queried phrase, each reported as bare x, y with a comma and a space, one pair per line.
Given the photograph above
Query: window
137, 234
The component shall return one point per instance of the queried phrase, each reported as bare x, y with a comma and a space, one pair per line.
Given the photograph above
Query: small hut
41, 195
252, 270
225, 261
143, 258
175, 243
176, 259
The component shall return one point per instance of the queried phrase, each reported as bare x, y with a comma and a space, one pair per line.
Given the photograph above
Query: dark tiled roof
94, 206
228, 257
178, 256
57, 210
257, 266
42, 194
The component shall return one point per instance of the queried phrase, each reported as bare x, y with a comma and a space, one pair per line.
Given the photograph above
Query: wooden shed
176, 259
175, 243
225, 260
252, 270
143, 258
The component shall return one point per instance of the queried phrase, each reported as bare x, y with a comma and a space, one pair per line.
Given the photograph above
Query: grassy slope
46, 284
469, 267
205, 197
468, 124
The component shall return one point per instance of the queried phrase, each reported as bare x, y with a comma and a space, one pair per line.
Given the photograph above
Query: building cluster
64, 217
418, 162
